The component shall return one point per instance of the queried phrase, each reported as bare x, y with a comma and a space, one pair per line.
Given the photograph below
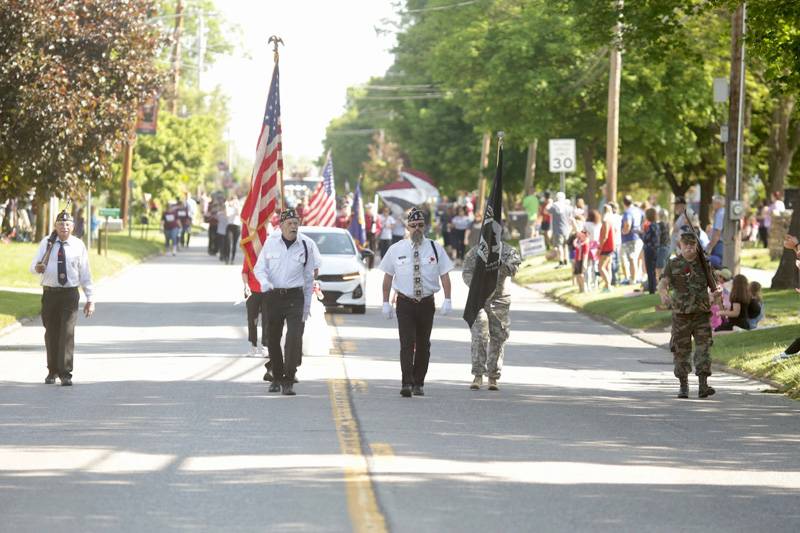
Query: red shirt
170, 218
581, 249
342, 222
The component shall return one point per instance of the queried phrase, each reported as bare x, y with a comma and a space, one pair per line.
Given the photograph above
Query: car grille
330, 297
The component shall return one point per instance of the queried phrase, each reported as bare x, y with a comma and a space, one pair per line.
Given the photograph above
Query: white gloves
447, 306
388, 312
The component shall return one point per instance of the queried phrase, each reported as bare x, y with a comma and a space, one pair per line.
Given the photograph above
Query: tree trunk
530, 169
786, 277
784, 138
706, 193
591, 175
41, 217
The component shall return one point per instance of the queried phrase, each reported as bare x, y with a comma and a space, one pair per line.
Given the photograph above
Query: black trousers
59, 315
384, 245
284, 306
650, 256
223, 246
415, 321
186, 234
253, 303
232, 241
212, 239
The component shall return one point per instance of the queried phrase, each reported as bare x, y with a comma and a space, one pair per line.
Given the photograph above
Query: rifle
701, 255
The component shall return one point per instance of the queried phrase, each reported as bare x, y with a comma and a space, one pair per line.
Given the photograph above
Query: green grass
17, 305
758, 258
17, 257
537, 269
752, 353
632, 310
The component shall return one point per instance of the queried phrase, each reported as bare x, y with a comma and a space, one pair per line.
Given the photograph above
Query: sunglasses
419, 225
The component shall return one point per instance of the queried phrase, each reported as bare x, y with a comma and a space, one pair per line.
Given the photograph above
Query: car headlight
351, 275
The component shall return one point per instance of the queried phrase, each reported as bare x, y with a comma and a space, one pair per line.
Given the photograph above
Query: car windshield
333, 243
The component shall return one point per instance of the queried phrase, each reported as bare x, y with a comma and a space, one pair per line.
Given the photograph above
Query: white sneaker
783, 356
253, 352
264, 352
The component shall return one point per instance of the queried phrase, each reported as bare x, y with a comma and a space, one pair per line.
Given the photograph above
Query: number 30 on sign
562, 155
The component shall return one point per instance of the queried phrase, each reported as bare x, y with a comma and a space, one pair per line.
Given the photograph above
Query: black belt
402, 296
49, 288
290, 290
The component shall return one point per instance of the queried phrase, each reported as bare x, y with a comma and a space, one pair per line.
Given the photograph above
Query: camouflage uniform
691, 316
491, 325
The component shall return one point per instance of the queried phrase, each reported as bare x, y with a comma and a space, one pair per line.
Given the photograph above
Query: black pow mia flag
487, 264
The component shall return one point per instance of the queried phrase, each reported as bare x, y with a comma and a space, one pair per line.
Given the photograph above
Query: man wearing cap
691, 315
414, 267
63, 262
285, 272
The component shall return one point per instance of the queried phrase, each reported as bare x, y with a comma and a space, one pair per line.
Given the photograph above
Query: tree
71, 74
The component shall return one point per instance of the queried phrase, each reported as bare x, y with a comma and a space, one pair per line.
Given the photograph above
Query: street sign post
562, 158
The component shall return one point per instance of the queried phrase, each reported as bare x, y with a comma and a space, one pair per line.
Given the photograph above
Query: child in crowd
741, 306
756, 310
581, 244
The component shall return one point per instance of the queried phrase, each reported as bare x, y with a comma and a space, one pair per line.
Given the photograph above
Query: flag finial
275, 41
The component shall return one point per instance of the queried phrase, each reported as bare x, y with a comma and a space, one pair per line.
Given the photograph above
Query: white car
343, 274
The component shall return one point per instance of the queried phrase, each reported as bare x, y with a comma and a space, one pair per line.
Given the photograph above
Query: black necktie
62, 264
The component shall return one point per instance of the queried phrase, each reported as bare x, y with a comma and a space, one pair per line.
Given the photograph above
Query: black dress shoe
50, 379
405, 391
288, 389
275, 387
66, 381
268, 376
418, 390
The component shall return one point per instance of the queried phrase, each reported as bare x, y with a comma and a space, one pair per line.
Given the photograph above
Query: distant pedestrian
171, 226
715, 248
185, 225
561, 215
233, 213
285, 271
652, 242
631, 240
63, 262
691, 315
386, 222
223, 245
253, 302
414, 268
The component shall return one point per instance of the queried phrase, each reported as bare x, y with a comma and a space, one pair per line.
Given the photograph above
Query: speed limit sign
562, 155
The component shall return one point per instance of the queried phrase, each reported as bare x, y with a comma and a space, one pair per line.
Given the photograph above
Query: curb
539, 288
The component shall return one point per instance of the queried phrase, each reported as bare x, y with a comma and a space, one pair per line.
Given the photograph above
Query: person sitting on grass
756, 310
742, 305
791, 242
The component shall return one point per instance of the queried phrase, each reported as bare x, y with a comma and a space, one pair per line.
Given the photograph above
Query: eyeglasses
420, 225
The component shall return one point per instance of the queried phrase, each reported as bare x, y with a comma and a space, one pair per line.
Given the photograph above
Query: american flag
264, 189
321, 209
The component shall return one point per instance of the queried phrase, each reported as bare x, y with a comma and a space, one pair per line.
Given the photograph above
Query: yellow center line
362, 504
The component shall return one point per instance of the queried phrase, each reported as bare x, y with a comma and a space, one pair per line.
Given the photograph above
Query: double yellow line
362, 504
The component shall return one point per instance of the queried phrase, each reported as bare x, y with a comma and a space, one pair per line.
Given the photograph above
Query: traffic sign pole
563, 182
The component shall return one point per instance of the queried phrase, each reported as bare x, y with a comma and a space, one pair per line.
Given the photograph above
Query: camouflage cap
687, 235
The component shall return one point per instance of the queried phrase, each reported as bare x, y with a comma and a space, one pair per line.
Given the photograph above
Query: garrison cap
415, 214
288, 213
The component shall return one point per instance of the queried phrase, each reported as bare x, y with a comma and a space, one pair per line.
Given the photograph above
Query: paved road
169, 427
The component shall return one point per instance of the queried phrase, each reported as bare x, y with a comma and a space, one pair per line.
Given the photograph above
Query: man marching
691, 314
490, 328
285, 272
413, 268
63, 262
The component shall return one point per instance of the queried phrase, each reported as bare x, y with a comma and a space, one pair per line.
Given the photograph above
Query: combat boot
705, 390
476, 383
683, 391
493, 384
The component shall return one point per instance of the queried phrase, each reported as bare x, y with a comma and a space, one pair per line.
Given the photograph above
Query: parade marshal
413, 268
63, 263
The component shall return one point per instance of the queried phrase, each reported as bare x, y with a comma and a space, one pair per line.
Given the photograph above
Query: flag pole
275, 41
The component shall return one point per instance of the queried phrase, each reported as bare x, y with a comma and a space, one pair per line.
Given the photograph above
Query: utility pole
201, 45
127, 162
731, 234
612, 127
176, 57
487, 141
530, 168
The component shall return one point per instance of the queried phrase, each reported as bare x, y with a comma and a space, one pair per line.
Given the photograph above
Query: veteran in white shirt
414, 268
63, 263
285, 270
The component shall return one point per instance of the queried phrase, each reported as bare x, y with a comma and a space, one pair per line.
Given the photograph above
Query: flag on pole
358, 224
490, 247
262, 199
321, 210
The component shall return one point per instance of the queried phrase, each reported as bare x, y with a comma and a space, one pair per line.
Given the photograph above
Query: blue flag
358, 225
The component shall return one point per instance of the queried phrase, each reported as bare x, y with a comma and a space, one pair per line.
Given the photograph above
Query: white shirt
78, 272
233, 213
282, 267
387, 221
399, 263
399, 229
